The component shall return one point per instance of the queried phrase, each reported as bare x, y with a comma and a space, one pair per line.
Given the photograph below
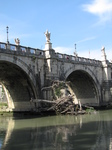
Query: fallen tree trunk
42, 101
62, 105
63, 99
61, 102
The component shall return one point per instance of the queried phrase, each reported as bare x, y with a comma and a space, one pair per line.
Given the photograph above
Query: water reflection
86, 132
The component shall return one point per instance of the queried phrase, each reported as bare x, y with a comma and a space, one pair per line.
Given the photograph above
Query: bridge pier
107, 79
107, 91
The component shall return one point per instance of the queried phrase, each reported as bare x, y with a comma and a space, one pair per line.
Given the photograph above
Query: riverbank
44, 113
5, 111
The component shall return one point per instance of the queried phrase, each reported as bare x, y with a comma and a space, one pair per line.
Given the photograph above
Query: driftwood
42, 101
61, 103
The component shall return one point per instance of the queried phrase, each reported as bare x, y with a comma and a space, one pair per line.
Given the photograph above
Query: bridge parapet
76, 59
22, 50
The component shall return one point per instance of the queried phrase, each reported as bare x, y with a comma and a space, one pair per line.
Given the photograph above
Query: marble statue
17, 41
103, 50
47, 34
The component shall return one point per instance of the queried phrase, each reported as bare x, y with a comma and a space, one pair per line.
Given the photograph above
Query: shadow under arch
84, 85
19, 85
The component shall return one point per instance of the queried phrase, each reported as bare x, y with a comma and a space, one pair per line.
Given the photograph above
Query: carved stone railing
22, 50
77, 59
10, 48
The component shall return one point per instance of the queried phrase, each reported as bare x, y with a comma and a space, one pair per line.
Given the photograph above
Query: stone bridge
24, 71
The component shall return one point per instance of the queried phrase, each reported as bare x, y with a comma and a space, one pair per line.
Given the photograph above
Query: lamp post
75, 53
7, 34
75, 47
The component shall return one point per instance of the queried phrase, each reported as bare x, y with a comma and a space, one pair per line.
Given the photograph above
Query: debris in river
63, 102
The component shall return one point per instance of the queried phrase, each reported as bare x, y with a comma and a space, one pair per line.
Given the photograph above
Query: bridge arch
84, 85
18, 82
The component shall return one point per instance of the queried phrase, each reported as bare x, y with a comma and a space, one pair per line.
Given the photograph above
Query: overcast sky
88, 24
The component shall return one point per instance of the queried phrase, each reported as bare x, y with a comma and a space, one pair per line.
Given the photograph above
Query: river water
82, 132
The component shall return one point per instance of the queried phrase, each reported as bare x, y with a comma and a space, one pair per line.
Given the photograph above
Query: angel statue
47, 34
17, 41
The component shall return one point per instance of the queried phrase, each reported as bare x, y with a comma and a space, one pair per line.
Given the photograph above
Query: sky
86, 23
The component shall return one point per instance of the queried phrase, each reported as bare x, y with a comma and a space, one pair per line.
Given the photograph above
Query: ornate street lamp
7, 34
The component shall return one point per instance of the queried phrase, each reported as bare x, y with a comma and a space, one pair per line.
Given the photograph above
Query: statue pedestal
48, 46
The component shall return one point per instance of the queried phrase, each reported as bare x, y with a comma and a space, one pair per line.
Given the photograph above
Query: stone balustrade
77, 59
32, 51
21, 49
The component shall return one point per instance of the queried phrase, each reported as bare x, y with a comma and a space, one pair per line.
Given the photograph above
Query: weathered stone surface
24, 71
